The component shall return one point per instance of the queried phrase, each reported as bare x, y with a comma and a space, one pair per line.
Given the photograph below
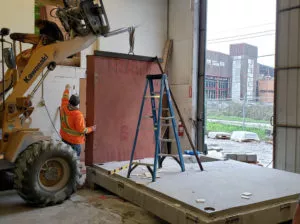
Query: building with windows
218, 75
265, 71
238, 76
244, 71
265, 90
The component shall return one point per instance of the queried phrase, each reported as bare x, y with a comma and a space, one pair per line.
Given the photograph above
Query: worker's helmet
74, 100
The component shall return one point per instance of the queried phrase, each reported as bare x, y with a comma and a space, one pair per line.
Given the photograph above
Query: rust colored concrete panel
115, 88
82, 108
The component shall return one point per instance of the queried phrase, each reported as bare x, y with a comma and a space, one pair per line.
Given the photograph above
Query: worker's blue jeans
75, 147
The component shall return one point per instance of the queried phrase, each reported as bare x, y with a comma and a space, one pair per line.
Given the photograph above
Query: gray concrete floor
84, 207
221, 184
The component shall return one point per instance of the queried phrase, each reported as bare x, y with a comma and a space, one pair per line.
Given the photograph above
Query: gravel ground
263, 150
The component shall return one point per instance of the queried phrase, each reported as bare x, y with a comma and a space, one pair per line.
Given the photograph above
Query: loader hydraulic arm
85, 23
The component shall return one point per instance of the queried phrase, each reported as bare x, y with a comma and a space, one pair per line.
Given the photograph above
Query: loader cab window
9, 58
49, 29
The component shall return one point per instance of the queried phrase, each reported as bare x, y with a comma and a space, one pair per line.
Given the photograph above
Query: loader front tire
47, 173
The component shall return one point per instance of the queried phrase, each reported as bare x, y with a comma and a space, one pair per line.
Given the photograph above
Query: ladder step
167, 140
166, 118
142, 164
148, 116
155, 96
154, 76
158, 93
163, 109
168, 155
148, 129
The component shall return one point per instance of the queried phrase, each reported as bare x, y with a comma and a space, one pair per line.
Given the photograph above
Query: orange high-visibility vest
73, 128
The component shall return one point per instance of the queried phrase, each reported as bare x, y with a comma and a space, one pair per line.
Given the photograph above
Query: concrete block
214, 147
242, 157
219, 135
231, 156
244, 136
252, 158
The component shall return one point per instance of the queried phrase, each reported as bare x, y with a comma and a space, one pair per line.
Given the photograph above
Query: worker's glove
94, 128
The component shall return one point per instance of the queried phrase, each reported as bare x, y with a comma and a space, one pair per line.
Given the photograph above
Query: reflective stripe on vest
64, 119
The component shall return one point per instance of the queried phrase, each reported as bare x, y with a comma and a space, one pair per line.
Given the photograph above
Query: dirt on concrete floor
84, 207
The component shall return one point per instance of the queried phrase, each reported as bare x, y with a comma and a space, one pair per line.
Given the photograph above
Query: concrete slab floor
221, 184
84, 207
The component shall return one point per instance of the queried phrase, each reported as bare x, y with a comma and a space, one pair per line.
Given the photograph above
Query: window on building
216, 63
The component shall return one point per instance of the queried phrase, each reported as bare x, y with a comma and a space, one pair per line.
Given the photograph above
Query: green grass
233, 118
212, 126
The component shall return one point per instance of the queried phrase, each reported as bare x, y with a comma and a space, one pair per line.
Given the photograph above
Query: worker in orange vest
73, 129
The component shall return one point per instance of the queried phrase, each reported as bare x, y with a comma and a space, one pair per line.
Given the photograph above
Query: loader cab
50, 29
9, 58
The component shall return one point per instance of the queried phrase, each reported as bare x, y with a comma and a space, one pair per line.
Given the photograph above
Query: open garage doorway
239, 79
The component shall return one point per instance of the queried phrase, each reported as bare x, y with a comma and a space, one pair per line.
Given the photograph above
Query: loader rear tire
47, 173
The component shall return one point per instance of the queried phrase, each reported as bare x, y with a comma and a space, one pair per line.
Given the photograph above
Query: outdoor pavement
263, 150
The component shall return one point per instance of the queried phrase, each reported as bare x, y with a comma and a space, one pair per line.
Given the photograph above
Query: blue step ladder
158, 122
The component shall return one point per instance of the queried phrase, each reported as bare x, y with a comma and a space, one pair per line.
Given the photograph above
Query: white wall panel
291, 141
181, 31
18, 15
287, 119
297, 156
280, 152
151, 18
181, 17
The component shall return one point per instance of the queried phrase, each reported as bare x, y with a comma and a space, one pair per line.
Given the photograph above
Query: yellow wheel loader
44, 171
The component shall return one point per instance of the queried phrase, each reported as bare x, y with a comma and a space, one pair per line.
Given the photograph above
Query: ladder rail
157, 146
153, 106
174, 126
137, 131
157, 123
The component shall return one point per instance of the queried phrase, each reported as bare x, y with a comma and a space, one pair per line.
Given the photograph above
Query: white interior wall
54, 86
181, 30
18, 15
151, 18
287, 91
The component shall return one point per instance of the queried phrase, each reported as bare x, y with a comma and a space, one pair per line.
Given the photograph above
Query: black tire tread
24, 165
